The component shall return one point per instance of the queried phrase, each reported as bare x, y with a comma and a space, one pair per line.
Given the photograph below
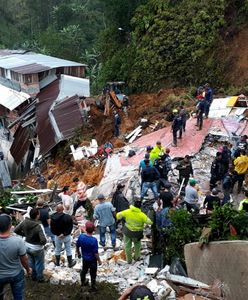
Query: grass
44, 291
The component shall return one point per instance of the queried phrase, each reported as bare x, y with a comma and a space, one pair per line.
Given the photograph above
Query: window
2, 72
27, 78
14, 76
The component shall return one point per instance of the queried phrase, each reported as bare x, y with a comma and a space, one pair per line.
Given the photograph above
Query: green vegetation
148, 43
226, 223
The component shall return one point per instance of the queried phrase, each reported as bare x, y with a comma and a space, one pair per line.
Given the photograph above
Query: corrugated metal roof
68, 117
219, 108
70, 86
20, 144
12, 61
45, 131
10, 98
30, 68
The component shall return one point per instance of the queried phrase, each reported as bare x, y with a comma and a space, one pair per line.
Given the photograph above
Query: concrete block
223, 260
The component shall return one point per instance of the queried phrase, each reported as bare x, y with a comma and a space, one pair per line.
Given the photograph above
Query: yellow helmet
175, 111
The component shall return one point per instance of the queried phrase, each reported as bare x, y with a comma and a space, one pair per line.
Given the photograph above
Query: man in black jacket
149, 177
119, 201
217, 170
185, 170
61, 227
35, 239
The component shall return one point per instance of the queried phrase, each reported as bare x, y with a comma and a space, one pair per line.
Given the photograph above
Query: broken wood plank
133, 132
186, 281
202, 293
135, 135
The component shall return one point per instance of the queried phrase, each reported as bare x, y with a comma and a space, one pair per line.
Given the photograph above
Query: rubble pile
116, 270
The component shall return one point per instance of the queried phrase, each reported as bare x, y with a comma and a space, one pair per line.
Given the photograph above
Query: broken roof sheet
30, 62
67, 116
20, 144
45, 130
70, 86
11, 98
223, 107
190, 144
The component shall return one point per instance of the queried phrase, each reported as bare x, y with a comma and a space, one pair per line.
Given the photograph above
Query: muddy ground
44, 291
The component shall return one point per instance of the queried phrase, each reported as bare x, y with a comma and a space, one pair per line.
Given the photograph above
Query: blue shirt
103, 213
89, 247
142, 164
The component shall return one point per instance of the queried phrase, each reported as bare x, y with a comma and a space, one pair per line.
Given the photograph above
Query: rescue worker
243, 205
176, 126
183, 115
185, 170
133, 229
217, 170
208, 98
157, 152
240, 169
200, 109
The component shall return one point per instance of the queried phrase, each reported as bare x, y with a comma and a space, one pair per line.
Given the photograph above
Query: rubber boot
57, 260
71, 262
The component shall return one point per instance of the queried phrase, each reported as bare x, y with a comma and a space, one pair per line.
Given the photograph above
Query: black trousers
92, 265
238, 178
200, 120
77, 205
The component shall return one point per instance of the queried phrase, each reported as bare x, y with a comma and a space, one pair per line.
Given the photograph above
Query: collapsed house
43, 102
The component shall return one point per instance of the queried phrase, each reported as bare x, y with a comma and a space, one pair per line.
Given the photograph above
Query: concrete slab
223, 260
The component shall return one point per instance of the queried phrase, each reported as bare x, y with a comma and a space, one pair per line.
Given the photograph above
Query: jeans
92, 265
36, 262
227, 196
49, 233
17, 286
149, 185
207, 106
102, 231
66, 240
128, 248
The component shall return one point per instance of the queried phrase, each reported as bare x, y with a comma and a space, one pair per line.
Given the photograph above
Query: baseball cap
147, 155
175, 111
192, 181
100, 196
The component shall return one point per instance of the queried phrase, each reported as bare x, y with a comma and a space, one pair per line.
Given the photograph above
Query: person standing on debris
185, 170
89, 253
61, 227
243, 205
142, 163
119, 201
80, 195
13, 259
208, 98
35, 239
104, 212
41, 180
50, 182
191, 196
211, 200
117, 123
176, 126
67, 200
217, 170
167, 165
133, 229
227, 187
200, 109
45, 219
36, 166
157, 152
226, 157
149, 178
240, 169
183, 114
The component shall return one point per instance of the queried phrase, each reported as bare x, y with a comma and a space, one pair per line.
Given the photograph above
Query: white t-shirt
67, 202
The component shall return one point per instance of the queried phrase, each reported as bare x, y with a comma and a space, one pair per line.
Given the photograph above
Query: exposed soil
154, 107
236, 54
44, 291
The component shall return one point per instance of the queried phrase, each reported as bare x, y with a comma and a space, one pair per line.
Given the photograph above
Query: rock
153, 285
151, 271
